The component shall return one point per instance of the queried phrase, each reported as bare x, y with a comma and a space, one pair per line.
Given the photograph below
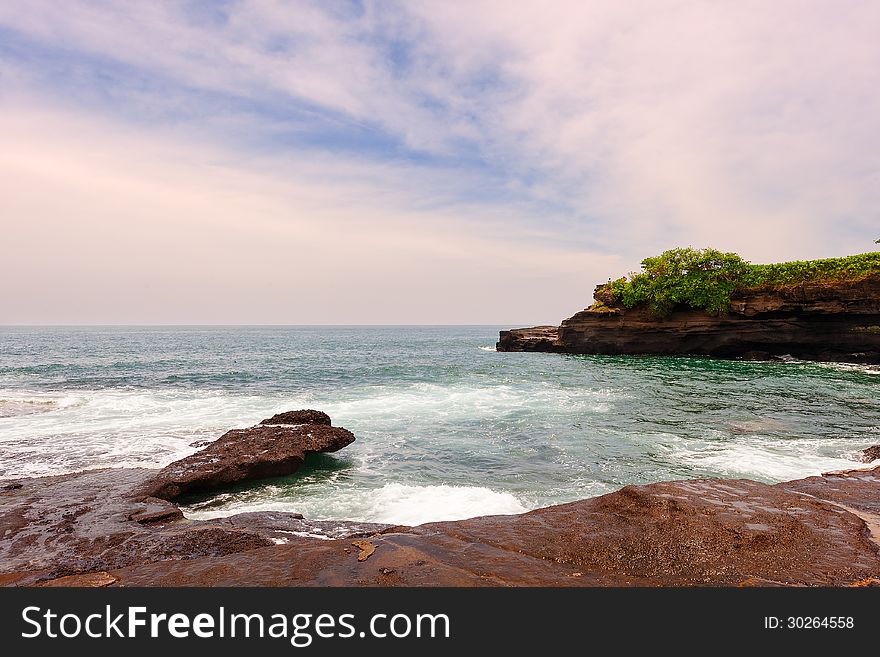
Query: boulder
270, 449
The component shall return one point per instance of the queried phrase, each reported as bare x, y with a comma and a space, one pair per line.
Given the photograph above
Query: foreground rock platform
811, 321
689, 533
101, 528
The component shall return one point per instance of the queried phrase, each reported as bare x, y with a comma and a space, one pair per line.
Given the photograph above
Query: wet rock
56, 526
870, 454
281, 526
97, 528
201, 443
855, 490
536, 338
702, 532
756, 355
272, 450
152, 509
86, 580
306, 416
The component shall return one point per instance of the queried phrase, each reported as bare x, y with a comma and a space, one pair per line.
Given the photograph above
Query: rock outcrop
813, 321
818, 531
274, 448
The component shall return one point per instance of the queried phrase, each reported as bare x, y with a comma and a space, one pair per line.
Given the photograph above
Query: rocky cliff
813, 321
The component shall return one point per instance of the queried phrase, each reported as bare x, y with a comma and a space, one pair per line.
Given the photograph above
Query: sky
421, 162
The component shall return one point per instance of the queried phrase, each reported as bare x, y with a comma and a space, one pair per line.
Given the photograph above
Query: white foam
385, 405
763, 460
414, 505
852, 367
489, 348
16, 407
134, 427
394, 503
117, 428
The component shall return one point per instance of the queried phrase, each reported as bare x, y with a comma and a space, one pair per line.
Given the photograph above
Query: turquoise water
446, 427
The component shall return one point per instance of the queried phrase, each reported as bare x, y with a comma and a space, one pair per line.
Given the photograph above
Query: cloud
106, 226
453, 162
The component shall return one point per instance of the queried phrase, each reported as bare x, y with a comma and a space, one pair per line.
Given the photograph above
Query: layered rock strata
813, 321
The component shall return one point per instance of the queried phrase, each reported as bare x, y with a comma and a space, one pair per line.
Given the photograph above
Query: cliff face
813, 321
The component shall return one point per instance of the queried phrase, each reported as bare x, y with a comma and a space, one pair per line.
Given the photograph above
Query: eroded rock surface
702, 532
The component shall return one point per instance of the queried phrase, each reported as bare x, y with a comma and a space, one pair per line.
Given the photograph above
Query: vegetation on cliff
706, 279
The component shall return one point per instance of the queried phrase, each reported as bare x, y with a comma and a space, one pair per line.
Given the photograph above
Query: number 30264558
809, 622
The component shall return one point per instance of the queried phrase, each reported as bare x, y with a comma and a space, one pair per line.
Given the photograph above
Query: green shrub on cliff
701, 279
705, 279
802, 271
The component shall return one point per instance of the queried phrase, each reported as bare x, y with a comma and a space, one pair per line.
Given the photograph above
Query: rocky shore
120, 527
812, 321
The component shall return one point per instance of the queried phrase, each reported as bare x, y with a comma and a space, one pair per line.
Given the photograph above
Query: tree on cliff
705, 279
699, 278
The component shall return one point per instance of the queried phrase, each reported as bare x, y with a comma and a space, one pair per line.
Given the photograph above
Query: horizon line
185, 325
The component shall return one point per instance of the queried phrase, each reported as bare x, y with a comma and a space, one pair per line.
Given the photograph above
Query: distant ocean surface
446, 427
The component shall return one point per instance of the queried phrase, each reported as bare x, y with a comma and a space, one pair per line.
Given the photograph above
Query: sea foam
393, 503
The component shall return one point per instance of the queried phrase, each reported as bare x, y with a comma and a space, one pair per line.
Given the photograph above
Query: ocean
447, 428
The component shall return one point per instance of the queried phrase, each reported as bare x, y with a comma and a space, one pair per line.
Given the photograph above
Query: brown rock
152, 509
870, 581
89, 528
537, 338
366, 549
870, 454
857, 491
245, 454
701, 532
306, 416
85, 580
53, 527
